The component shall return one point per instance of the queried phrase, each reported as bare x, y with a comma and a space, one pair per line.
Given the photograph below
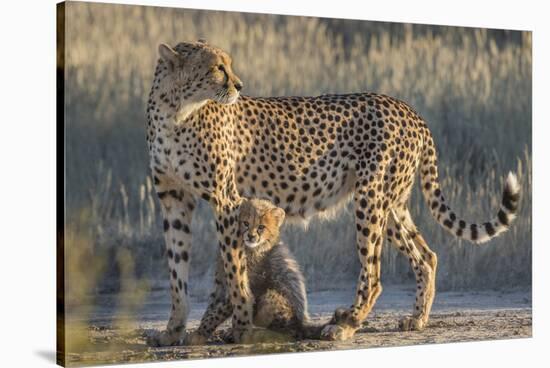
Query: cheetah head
259, 223
193, 73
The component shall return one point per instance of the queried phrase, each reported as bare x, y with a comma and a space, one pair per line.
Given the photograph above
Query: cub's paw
196, 338
411, 324
337, 333
165, 338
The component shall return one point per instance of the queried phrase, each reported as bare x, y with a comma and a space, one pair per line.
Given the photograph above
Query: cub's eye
221, 67
245, 224
261, 228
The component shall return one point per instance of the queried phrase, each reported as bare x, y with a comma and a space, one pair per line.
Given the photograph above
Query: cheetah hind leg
402, 233
425, 293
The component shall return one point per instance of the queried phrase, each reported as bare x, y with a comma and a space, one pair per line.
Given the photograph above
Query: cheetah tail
476, 233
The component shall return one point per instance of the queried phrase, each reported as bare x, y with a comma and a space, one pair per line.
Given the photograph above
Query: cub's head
260, 222
196, 72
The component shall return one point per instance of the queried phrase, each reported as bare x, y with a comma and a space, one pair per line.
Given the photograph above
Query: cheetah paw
196, 338
337, 333
243, 336
165, 338
411, 324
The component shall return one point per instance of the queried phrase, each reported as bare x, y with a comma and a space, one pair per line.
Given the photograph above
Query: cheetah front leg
219, 309
177, 208
370, 221
234, 265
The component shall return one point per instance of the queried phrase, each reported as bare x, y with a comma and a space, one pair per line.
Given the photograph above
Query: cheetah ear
244, 206
279, 215
169, 54
202, 40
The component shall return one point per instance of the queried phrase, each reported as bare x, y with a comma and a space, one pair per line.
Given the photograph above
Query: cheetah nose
238, 85
251, 238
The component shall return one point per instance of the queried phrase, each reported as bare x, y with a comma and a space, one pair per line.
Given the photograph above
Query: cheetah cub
274, 275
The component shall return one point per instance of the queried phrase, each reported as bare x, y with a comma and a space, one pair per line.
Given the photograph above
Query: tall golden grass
473, 86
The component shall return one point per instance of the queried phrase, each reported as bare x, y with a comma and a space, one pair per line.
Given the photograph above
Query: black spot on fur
176, 224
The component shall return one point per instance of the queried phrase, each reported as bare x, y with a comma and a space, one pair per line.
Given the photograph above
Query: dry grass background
473, 87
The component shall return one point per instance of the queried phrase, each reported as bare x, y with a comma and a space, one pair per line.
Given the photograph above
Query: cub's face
260, 222
200, 72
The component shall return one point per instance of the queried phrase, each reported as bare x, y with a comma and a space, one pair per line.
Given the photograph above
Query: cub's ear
202, 40
243, 208
168, 54
279, 215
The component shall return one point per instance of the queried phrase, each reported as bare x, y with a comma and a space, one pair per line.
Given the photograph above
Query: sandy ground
455, 317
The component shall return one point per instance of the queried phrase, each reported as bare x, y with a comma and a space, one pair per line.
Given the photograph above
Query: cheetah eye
245, 224
261, 228
221, 67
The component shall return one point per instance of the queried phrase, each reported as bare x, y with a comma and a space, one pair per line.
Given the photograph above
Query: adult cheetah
308, 155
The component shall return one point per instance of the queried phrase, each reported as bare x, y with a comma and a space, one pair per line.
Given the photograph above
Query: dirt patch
114, 345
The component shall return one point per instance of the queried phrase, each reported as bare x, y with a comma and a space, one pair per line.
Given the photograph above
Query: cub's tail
310, 330
476, 233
